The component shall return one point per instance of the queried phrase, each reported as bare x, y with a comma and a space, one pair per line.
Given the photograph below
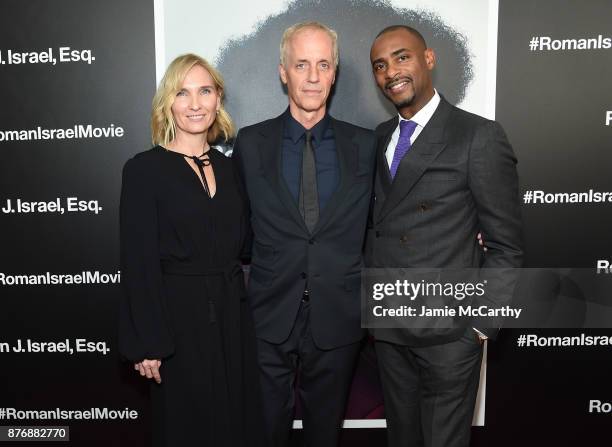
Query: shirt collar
295, 130
423, 116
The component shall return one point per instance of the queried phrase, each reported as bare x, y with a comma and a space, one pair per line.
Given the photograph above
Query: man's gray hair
292, 30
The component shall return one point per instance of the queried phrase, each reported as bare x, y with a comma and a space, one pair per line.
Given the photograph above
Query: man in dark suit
309, 180
442, 176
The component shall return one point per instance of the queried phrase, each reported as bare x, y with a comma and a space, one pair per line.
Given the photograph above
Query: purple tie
403, 144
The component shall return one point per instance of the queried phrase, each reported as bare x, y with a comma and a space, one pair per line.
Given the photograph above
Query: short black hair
410, 29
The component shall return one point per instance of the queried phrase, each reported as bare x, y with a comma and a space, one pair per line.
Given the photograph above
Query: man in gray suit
442, 176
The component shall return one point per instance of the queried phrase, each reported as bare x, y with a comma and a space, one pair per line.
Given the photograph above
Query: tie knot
407, 128
201, 161
308, 136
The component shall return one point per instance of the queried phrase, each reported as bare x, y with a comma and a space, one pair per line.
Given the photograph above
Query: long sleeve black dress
185, 299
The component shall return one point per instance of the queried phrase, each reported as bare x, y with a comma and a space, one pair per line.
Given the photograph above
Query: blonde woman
184, 322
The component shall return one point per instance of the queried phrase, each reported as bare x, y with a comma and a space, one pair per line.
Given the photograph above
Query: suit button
403, 239
423, 206
311, 241
377, 233
303, 275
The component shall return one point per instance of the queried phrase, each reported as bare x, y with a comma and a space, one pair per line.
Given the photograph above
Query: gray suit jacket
458, 178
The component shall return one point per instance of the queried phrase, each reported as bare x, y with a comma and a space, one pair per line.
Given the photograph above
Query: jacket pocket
263, 251
261, 275
352, 282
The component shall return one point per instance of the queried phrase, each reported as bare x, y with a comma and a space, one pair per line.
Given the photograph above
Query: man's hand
480, 337
149, 368
481, 242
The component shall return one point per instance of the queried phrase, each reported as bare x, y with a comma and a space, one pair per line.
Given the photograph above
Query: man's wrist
481, 336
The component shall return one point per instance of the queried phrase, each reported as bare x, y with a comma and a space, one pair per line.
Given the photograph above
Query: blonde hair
292, 30
163, 127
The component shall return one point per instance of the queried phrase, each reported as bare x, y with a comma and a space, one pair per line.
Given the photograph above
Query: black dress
185, 299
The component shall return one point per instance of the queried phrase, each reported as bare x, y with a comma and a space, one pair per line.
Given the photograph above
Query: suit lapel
382, 167
423, 152
347, 151
270, 154
270, 149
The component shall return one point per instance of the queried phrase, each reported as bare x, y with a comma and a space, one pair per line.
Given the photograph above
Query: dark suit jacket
285, 255
458, 178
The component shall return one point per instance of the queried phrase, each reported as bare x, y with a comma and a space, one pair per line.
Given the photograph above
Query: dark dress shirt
326, 158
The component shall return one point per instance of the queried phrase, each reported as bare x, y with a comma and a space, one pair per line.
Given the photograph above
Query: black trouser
323, 384
430, 392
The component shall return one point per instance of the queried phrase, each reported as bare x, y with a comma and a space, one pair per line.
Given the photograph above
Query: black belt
228, 273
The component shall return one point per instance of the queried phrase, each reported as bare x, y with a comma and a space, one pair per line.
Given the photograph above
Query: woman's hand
149, 368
